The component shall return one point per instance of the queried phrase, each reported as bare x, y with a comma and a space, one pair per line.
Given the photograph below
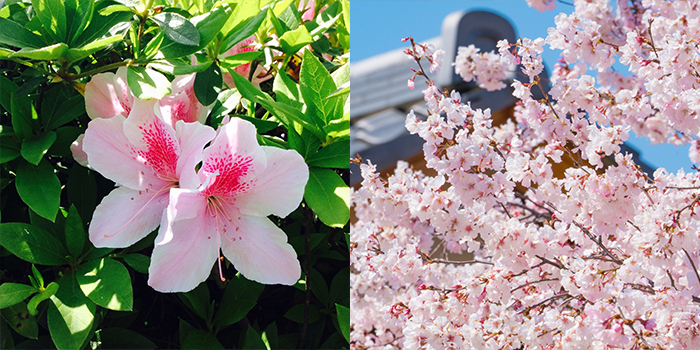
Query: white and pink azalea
239, 184
182, 104
146, 157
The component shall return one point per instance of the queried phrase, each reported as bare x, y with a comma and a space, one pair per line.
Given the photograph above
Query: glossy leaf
78, 16
14, 293
208, 25
296, 313
18, 317
52, 15
32, 244
329, 197
253, 340
240, 297
294, 40
138, 262
107, 283
243, 30
335, 155
70, 315
39, 188
146, 83
46, 53
177, 28
343, 320
199, 339
207, 84
14, 34
315, 84
50, 290
74, 232
99, 25
239, 59
23, 113
74, 54
33, 149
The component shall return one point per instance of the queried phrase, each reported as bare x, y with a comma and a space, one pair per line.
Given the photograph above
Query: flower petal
125, 216
259, 250
182, 103
108, 95
76, 148
187, 244
112, 155
192, 138
236, 156
154, 140
280, 188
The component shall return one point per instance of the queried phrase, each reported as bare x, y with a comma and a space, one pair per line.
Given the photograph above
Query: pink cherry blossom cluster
500, 250
207, 189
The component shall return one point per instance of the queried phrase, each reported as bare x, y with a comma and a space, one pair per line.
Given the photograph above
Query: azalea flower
146, 157
108, 95
246, 45
182, 103
239, 184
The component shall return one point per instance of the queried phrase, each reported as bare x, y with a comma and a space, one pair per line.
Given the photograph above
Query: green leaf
14, 293
71, 314
75, 54
10, 146
70, 109
294, 40
335, 155
32, 244
106, 282
177, 28
7, 92
46, 53
296, 313
153, 46
343, 320
120, 338
115, 8
99, 25
189, 69
329, 197
207, 85
240, 297
253, 340
339, 128
208, 25
14, 34
243, 30
50, 290
6, 342
316, 83
39, 188
52, 15
197, 300
239, 59
146, 83
78, 16
23, 113
280, 110
138, 262
75, 232
82, 191
319, 286
33, 149
287, 91
18, 317
199, 339
269, 336
340, 287
261, 126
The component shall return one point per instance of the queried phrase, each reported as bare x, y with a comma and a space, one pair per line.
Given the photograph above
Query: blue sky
378, 26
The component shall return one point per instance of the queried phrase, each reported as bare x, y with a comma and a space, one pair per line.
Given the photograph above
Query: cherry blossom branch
467, 262
533, 282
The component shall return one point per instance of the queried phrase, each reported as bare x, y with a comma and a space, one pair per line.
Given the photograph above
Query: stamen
221, 275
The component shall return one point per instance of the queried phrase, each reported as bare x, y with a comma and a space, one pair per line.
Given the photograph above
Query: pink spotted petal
182, 103
259, 250
192, 138
154, 140
280, 188
108, 95
237, 158
112, 155
124, 217
186, 247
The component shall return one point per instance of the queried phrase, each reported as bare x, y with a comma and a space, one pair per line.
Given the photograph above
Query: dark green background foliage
56, 289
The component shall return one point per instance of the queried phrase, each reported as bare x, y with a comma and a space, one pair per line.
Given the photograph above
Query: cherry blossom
225, 207
538, 232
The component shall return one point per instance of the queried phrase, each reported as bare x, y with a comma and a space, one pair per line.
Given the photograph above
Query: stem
99, 70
